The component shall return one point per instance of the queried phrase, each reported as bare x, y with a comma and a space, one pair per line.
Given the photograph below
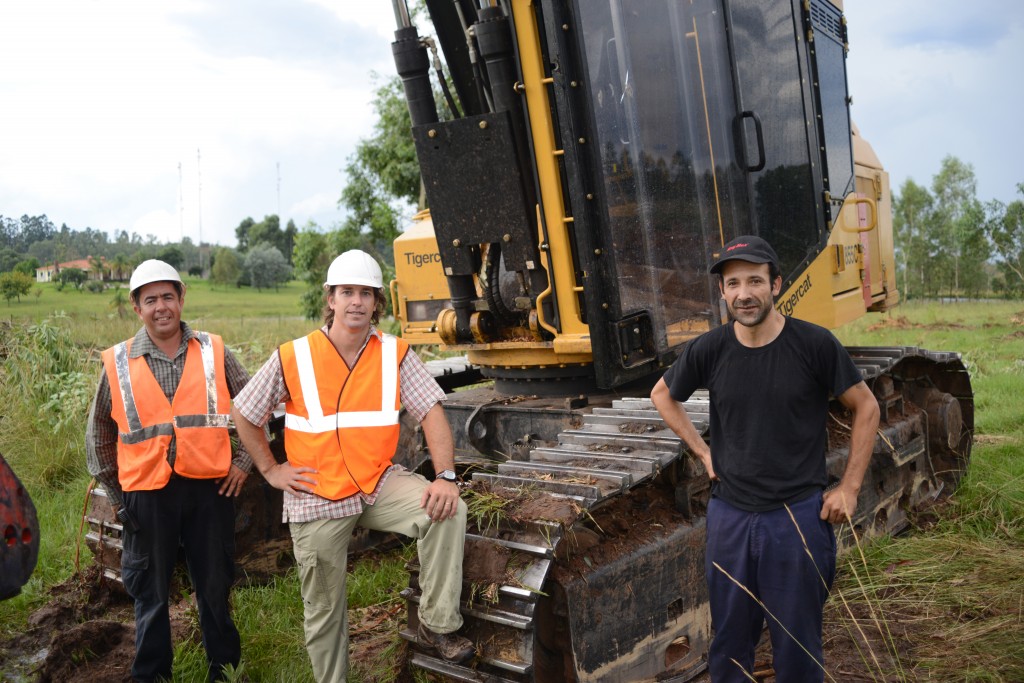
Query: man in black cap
771, 550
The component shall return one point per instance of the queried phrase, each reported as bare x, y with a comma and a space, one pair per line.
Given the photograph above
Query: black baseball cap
746, 248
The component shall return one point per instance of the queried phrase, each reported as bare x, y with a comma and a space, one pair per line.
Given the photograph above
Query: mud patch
492, 508
98, 650
615, 529
83, 633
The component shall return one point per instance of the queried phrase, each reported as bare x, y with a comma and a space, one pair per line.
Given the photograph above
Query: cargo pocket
311, 581
133, 572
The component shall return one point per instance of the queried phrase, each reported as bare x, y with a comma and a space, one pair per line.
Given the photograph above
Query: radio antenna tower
181, 205
199, 207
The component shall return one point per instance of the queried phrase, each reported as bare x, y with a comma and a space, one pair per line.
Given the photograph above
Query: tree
312, 258
71, 276
120, 266
959, 226
28, 267
242, 233
15, 285
8, 259
1005, 228
266, 266
171, 254
96, 266
226, 268
912, 210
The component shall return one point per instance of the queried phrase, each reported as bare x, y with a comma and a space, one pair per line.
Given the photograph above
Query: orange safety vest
342, 422
198, 417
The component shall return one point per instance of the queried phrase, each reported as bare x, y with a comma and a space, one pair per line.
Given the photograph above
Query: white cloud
108, 98
936, 78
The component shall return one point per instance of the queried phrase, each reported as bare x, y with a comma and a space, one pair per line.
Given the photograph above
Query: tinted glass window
664, 108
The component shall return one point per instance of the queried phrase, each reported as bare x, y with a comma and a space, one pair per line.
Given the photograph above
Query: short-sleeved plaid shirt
101, 430
267, 389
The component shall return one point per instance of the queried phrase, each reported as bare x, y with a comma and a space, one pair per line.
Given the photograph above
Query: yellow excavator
584, 162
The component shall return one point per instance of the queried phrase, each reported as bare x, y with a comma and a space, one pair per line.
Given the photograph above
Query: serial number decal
787, 306
420, 260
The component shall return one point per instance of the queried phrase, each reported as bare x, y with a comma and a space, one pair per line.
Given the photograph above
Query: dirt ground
85, 632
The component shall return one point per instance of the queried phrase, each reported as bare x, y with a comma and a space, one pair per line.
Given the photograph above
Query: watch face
447, 475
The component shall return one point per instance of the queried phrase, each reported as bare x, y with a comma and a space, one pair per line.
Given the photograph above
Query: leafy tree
10, 230
912, 210
268, 230
1005, 228
120, 266
959, 229
226, 268
71, 276
266, 266
15, 285
172, 255
242, 233
8, 259
28, 267
97, 267
311, 261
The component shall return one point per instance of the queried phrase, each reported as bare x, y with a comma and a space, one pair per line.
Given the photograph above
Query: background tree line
951, 244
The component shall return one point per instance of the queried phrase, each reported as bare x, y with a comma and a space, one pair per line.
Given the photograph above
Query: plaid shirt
267, 389
101, 430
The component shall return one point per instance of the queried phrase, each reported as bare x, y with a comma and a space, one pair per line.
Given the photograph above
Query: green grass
202, 299
958, 584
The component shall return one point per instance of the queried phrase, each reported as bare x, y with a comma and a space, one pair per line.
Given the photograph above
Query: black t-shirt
769, 407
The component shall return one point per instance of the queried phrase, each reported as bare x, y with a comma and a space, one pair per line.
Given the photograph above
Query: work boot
452, 647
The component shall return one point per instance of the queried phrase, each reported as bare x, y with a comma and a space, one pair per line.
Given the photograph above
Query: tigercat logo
787, 306
420, 260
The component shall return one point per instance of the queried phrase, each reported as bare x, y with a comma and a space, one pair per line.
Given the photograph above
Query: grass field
959, 583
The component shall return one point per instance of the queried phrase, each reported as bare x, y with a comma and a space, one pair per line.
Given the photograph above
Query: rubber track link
923, 449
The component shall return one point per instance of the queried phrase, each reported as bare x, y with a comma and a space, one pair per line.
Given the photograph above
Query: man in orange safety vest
157, 441
343, 386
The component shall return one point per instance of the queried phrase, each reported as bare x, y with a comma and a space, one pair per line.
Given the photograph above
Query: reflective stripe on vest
318, 423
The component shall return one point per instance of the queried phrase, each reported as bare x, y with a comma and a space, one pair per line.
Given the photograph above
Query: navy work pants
187, 513
765, 553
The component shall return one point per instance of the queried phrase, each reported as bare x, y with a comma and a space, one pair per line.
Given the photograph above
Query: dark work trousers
764, 553
189, 513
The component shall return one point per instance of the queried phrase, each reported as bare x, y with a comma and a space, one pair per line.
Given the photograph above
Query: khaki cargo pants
321, 551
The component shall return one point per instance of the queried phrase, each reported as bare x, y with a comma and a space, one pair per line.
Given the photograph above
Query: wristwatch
447, 475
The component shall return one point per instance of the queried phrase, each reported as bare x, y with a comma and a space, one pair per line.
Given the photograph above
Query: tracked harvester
591, 159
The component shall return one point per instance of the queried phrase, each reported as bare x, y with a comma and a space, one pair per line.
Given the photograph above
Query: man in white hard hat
160, 447
343, 386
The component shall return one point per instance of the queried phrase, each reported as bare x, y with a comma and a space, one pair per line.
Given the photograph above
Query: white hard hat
354, 267
152, 270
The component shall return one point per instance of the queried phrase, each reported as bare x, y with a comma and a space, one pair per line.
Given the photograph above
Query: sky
181, 119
